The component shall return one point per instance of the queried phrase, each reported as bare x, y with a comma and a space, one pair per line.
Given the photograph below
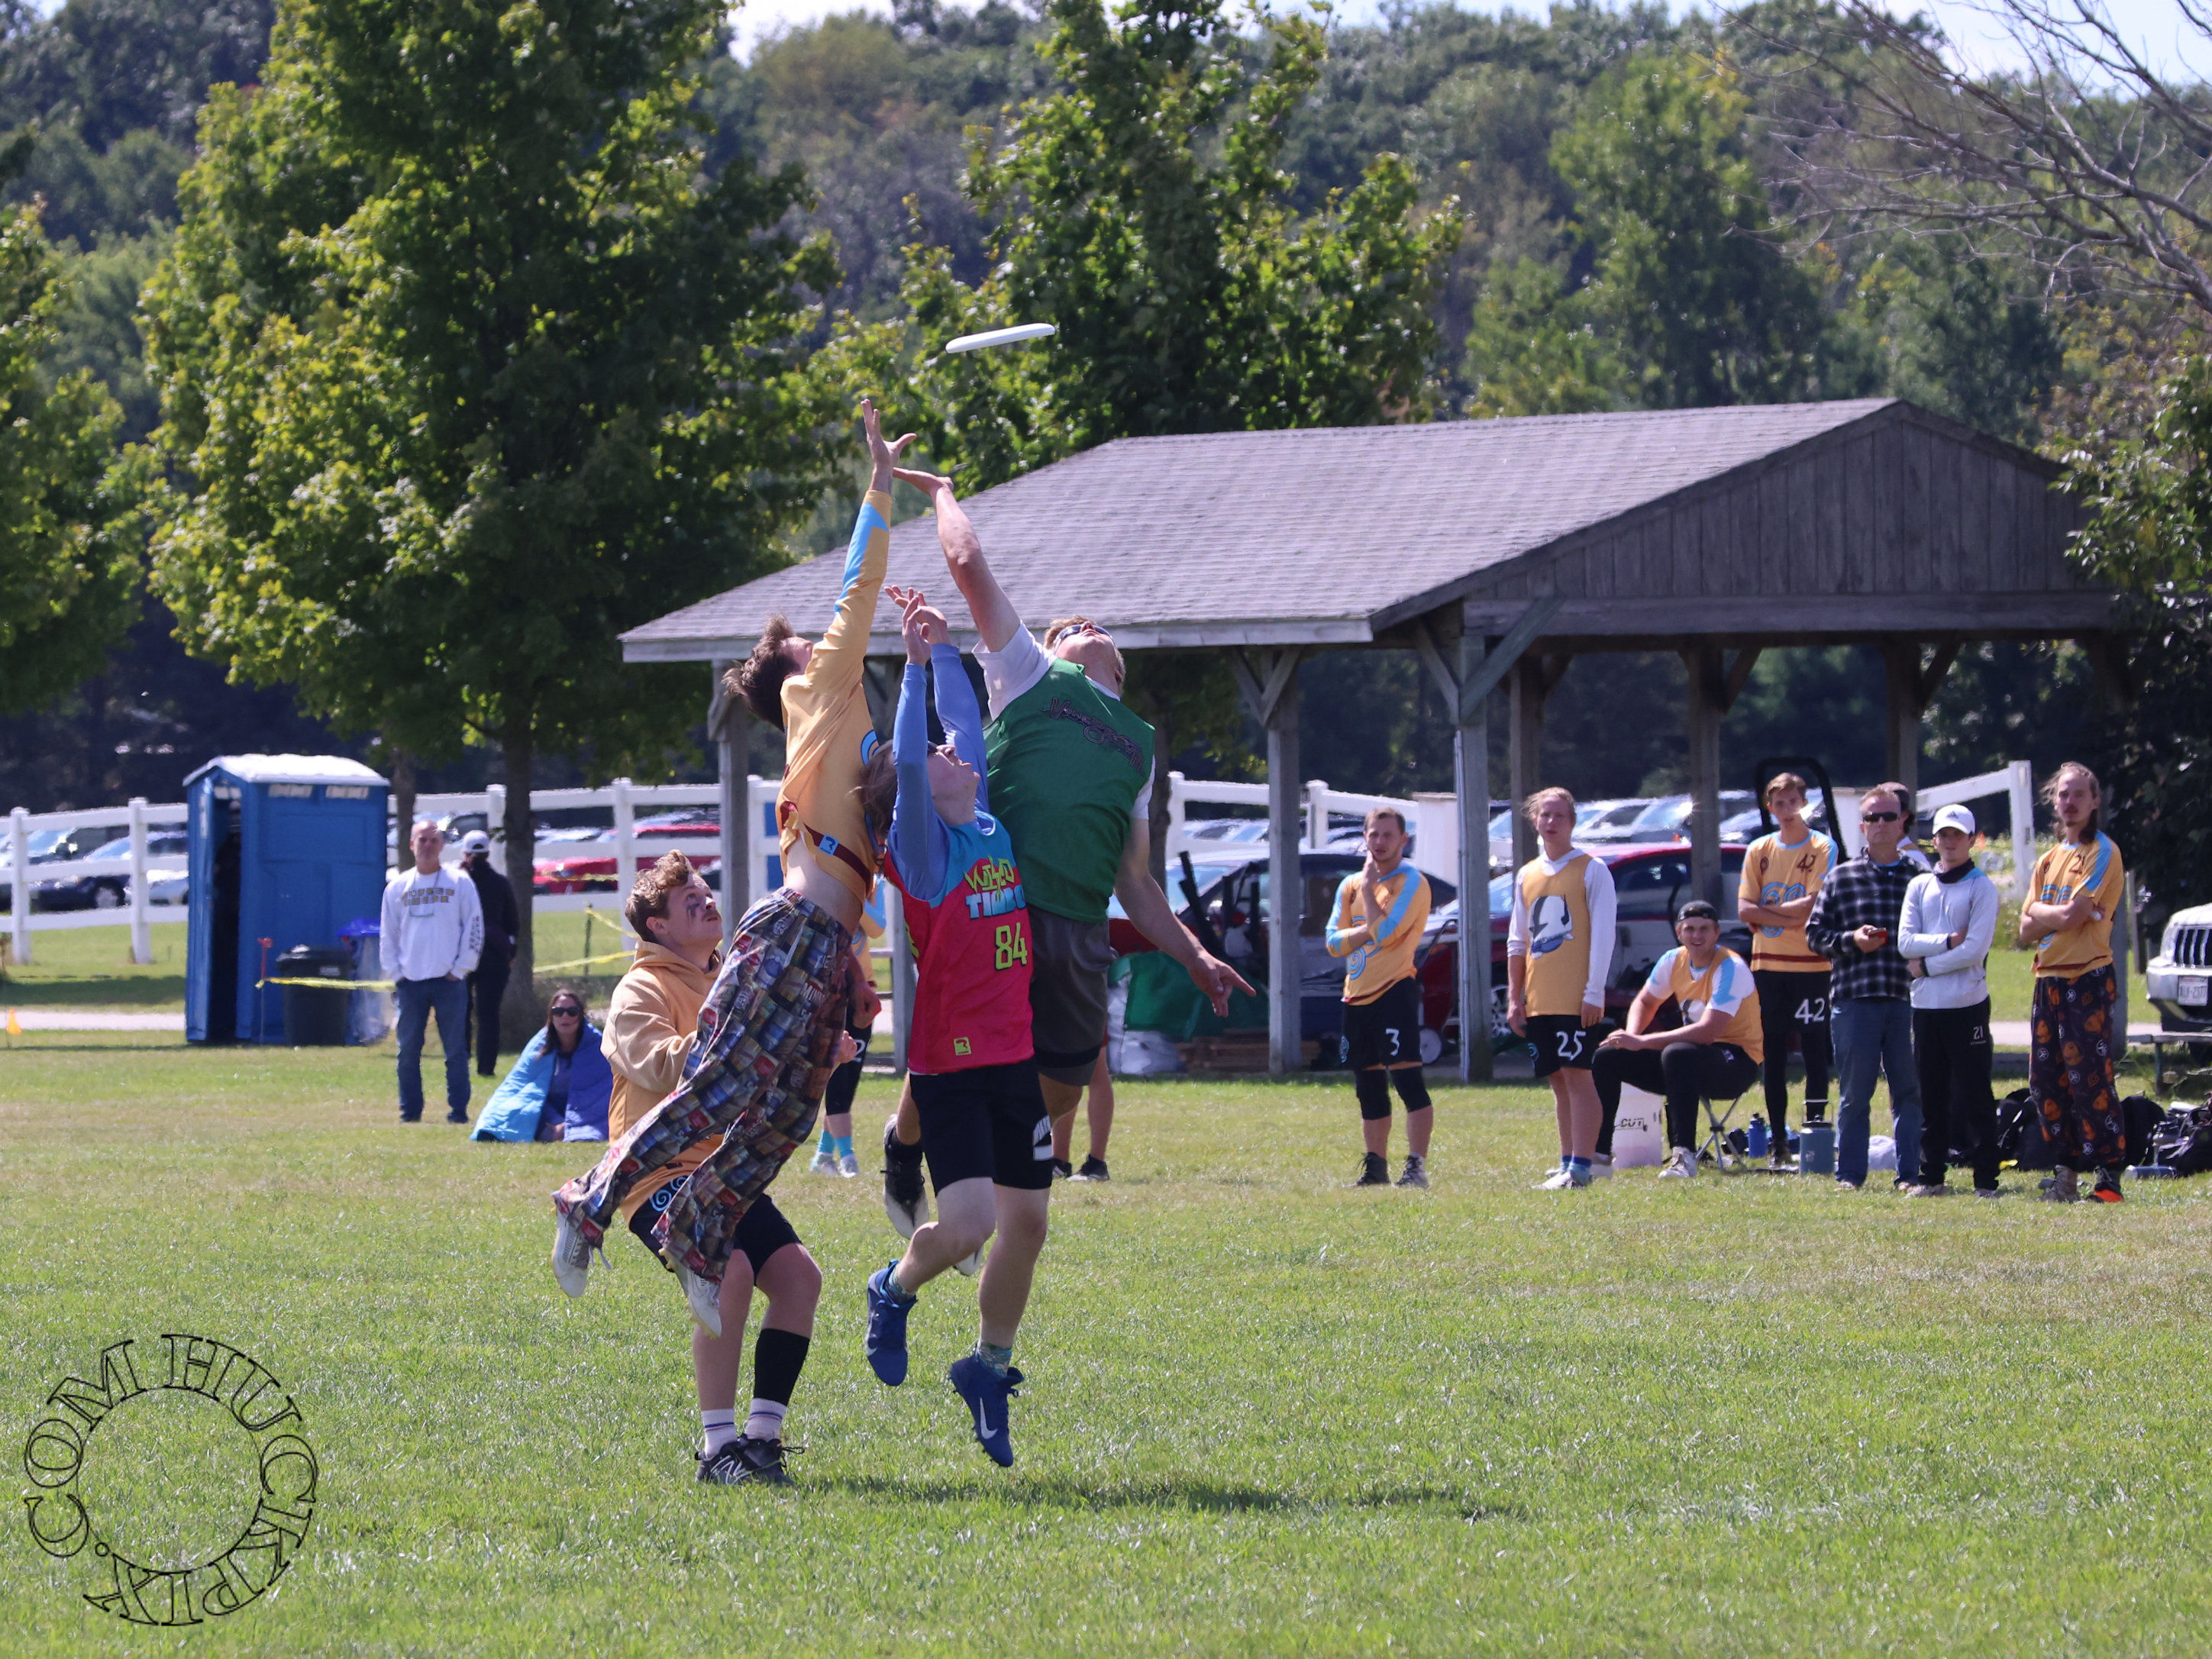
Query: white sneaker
705, 1296
848, 1166
824, 1163
972, 1263
1681, 1165
1601, 1167
572, 1257
1561, 1179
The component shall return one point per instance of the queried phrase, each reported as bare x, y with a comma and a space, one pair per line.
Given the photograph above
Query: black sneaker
457, 1117
1062, 1169
1093, 1168
747, 1461
1374, 1171
906, 1201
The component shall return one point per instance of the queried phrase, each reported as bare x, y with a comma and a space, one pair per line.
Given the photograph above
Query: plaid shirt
1860, 893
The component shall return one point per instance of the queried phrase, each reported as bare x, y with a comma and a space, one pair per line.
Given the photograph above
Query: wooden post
495, 827
1707, 701
1286, 885
1901, 711
1471, 774
727, 719
902, 978
625, 842
1523, 748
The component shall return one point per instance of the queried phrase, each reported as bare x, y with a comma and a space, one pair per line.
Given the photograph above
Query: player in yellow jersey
1558, 952
1375, 925
1782, 877
1716, 1050
2075, 892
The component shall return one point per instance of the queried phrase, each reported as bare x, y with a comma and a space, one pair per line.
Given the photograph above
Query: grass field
1265, 1414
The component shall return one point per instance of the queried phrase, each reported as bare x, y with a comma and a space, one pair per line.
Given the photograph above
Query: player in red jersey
970, 1062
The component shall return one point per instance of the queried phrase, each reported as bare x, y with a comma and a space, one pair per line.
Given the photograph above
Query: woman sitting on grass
559, 1087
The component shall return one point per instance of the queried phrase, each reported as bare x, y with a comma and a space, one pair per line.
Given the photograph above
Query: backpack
2140, 1116
2183, 1140
2020, 1132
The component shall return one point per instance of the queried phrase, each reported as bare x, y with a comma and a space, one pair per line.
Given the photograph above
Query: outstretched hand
921, 623
929, 483
882, 455
1215, 979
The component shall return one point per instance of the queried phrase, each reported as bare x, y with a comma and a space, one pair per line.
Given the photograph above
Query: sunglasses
1077, 628
568, 1014
1880, 817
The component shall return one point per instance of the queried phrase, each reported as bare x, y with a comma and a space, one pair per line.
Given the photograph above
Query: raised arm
960, 714
996, 619
920, 842
844, 645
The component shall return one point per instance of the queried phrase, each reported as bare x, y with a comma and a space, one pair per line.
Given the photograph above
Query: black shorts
1562, 1042
1069, 963
985, 1124
1386, 1031
763, 1232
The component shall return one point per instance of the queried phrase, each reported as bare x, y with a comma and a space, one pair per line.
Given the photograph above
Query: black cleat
1062, 1169
906, 1200
1093, 1168
1373, 1171
746, 1461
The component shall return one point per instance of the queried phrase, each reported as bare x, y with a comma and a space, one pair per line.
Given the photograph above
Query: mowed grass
1265, 1414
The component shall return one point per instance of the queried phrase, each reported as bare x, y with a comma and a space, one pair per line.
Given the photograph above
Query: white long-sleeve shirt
1957, 977
433, 925
1597, 890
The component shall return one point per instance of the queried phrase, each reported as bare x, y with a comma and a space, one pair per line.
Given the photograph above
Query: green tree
1144, 212
1689, 283
71, 540
2151, 534
470, 364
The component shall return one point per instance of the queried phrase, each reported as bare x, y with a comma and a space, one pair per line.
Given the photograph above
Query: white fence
1432, 818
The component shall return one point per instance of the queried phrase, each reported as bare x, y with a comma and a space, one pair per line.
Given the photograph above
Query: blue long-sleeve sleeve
961, 717
919, 841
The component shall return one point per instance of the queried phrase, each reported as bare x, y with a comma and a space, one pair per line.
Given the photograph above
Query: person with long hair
1559, 956
2075, 891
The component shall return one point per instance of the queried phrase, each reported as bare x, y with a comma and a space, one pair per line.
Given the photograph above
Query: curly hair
655, 886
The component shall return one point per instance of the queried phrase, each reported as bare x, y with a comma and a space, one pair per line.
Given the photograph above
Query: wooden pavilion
1499, 550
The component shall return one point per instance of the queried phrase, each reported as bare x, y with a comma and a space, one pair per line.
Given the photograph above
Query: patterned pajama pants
2069, 1071
766, 1049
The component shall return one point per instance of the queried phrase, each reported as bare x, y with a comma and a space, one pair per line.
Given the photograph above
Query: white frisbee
999, 337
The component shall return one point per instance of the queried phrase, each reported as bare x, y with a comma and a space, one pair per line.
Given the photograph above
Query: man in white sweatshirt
1950, 918
432, 933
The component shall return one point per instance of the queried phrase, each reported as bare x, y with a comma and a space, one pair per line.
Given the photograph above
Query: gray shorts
1069, 962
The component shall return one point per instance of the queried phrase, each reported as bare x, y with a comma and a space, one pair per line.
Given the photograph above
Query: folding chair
1725, 1158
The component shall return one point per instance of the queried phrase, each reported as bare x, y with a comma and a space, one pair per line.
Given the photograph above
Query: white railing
24, 877
1433, 819
2016, 783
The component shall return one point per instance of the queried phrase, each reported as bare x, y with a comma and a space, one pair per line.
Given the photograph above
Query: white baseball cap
477, 842
1955, 817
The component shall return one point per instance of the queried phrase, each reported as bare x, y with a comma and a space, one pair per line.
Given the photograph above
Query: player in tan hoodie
651, 1021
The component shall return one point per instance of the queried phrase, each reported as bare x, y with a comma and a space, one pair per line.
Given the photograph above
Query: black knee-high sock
1413, 1088
1372, 1090
778, 1358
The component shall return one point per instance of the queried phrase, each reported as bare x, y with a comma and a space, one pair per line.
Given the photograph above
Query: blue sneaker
886, 1340
986, 1393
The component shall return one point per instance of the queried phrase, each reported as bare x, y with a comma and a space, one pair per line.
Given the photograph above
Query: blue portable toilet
286, 847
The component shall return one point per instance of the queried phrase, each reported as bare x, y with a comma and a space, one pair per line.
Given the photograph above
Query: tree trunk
402, 805
521, 1012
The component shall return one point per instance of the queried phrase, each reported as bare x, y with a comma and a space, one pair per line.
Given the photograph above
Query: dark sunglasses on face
1880, 817
568, 1014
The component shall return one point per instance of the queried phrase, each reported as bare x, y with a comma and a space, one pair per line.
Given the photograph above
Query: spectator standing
1950, 919
432, 935
1098, 1119
1558, 955
2072, 895
1782, 877
1375, 925
501, 922
1853, 924
1715, 1050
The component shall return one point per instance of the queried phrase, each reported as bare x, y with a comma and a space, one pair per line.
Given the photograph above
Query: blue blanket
514, 1111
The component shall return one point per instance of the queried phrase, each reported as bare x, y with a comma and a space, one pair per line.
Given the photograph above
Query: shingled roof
1327, 536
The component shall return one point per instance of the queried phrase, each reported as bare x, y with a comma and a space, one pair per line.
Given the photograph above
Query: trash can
315, 1017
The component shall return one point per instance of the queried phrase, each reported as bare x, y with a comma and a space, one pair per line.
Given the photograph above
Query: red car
1648, 882
593, 872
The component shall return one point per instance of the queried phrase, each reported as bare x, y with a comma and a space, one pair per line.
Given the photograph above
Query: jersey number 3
1013, 946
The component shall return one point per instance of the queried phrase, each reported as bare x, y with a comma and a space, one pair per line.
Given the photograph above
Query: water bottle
1816, 1150
1758, 1135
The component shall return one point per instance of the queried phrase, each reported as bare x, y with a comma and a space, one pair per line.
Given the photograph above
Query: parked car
591, 869
1649, 883
1230, 905
2178, 978
1667, 819
1600, 821
107, 887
